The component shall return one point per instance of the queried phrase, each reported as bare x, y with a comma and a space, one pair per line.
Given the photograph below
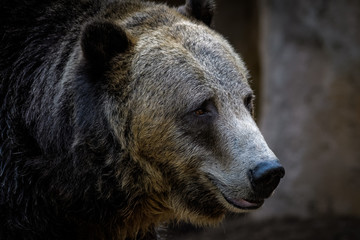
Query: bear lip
239, 203
244, 203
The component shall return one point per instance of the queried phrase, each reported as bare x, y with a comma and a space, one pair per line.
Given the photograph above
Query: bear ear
101, 41
202, 10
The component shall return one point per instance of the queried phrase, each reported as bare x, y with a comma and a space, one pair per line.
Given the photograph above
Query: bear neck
145, 210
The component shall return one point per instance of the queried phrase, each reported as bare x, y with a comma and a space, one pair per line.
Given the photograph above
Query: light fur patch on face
215, 37
243, 148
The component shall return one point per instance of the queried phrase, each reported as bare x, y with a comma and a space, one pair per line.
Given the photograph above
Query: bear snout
265, 177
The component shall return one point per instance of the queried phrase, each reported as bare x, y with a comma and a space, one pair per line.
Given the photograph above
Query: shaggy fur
117, 116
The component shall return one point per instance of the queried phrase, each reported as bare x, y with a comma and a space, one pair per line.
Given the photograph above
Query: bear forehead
188, 53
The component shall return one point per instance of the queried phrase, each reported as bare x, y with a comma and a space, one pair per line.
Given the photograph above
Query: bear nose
265, 177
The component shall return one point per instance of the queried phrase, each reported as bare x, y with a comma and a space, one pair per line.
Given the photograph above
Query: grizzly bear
118, 116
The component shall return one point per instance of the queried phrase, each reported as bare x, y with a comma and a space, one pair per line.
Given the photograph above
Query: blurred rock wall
310, 56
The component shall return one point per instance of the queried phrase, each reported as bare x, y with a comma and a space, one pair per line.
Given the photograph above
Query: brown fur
110, 141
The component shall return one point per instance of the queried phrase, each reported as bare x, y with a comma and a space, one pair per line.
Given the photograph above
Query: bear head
177, 99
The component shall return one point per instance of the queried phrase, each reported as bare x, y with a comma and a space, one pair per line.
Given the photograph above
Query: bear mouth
238, 203
244, 204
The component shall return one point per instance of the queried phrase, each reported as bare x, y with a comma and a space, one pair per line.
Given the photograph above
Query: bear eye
200, 112
248, 102
207, 108
200, 118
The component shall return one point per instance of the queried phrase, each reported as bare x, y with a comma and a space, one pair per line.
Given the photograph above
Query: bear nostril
265, 177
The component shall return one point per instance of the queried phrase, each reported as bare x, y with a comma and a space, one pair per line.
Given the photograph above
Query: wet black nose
265, 177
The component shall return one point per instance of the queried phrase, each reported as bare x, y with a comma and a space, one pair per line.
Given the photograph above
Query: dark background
304, 58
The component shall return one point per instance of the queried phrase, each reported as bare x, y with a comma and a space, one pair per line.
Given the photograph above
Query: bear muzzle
264, 178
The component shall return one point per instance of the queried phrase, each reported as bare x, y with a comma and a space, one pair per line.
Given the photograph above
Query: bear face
190, 124
206, 126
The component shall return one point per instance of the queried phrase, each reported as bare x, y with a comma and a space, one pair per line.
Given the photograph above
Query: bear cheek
193, 196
